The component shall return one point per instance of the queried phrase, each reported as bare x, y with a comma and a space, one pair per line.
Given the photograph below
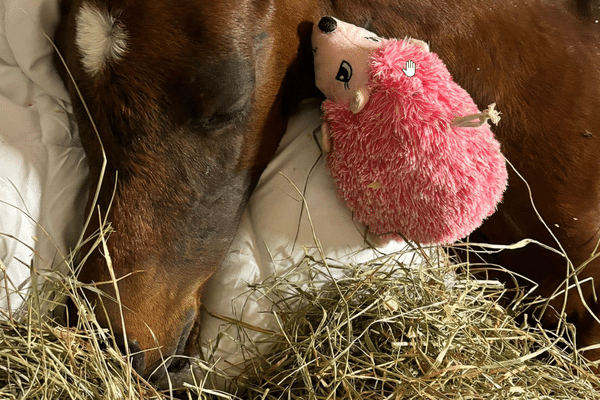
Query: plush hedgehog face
341, 51
341, 57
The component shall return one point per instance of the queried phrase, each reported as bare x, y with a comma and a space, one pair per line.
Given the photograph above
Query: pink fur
400, 164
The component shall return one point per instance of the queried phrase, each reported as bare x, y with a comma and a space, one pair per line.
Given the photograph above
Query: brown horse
190, 99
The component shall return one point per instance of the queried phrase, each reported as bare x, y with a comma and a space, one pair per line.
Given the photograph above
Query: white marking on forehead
99, 37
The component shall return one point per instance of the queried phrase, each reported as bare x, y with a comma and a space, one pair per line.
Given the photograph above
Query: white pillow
274, 236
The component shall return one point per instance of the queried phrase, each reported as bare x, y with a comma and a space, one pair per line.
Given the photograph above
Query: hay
391, 331
419, 329
422, 329
386, 331
42, 359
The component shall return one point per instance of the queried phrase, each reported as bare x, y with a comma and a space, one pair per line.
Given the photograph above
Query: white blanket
42, 165
43, 175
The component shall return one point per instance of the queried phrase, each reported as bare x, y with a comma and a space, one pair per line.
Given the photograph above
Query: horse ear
359, 100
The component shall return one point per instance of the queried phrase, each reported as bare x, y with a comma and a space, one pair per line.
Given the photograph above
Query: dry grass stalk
391, 331
386, 331
42, 359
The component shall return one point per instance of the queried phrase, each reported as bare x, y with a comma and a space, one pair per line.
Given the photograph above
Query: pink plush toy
407, 147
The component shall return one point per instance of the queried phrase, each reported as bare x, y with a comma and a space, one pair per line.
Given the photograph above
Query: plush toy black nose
327, 25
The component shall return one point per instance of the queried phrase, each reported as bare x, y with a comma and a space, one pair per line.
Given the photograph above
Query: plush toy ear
419, 43
359, 100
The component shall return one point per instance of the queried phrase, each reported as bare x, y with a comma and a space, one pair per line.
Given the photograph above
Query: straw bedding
387, 331
413, 332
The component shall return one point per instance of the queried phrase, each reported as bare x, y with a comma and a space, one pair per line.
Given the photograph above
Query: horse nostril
137, 357
178, 364
327, 24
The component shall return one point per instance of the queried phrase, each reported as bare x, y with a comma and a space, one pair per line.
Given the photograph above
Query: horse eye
217, 122
373, 38
344, 74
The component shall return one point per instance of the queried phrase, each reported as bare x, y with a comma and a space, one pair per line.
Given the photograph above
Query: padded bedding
42, 164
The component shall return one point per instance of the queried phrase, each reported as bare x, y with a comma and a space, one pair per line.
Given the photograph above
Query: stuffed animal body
405, 153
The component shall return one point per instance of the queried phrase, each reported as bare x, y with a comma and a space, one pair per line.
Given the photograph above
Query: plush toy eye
373, 38
344, 74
